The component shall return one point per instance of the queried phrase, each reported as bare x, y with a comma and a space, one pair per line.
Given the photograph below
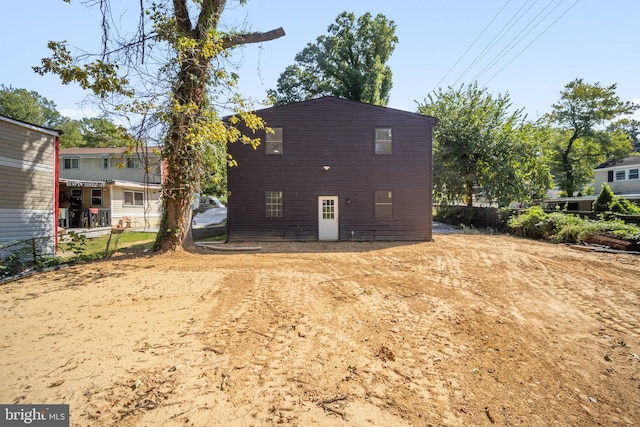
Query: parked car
211, 211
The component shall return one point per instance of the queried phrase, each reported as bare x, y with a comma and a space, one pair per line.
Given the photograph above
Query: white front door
328, 228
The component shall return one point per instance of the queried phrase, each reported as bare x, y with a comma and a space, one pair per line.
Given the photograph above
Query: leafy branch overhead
170, 80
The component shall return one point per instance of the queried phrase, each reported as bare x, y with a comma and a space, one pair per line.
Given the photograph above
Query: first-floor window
273, 204
96, 197
383, 204
133, 198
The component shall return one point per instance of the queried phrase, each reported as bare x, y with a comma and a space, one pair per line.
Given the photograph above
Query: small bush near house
609, 202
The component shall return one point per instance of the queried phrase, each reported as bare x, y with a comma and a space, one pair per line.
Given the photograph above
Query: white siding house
28, 176
110, 187
622, 175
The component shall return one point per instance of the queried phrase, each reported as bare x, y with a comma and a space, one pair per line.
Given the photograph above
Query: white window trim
64, 161
615, 175
274, 207
637, 173
133, 195
137, 162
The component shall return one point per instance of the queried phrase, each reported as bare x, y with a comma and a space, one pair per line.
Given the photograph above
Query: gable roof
330, 100
103, 150
32, 126
617, 163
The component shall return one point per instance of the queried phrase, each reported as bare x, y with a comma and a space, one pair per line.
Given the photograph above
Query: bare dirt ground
467, 330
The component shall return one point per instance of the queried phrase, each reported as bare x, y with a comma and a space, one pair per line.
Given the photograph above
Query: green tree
631, 127
175, 97
581, 114
348, 63
102, 132
29, 106
483, 147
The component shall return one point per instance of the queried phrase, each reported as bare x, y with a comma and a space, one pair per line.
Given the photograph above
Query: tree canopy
29, 106
349, 62
483, 148
581, 115
170, 79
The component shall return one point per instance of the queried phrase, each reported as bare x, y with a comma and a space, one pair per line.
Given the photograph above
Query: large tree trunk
182, 158
567, 167
468, 187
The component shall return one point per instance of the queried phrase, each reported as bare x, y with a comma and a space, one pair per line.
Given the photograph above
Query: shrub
609, 202
482, 218
529, 224
557, 227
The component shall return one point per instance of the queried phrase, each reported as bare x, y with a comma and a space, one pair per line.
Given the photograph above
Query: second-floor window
384, 142
71, 163
274, 143
134, 162
620, 175
633, 173
105, 163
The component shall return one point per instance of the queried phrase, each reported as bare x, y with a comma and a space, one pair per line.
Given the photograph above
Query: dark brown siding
339, 134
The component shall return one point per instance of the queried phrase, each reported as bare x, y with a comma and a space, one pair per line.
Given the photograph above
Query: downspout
56, 189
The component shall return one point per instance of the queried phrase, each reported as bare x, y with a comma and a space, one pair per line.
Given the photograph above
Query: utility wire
471, 45
533, 41
513, 43
516, 16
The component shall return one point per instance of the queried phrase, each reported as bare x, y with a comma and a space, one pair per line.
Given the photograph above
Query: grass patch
94, 248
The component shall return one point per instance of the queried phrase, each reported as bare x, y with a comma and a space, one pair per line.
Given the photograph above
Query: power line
533, 41
513, 43
493, 41
471, 45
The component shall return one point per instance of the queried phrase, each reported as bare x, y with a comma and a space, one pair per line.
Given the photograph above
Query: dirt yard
467, 330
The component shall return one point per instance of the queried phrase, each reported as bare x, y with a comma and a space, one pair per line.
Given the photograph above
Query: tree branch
246, 38
209, 15
182, 16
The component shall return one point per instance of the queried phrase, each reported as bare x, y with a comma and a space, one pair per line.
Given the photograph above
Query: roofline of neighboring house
433, 120
103, 151
591, 198
38, 128
622, 162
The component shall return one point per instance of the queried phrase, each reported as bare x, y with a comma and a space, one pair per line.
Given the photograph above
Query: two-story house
110, 187
333, 169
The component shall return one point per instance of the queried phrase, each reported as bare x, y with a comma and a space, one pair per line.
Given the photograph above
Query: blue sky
528, 48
